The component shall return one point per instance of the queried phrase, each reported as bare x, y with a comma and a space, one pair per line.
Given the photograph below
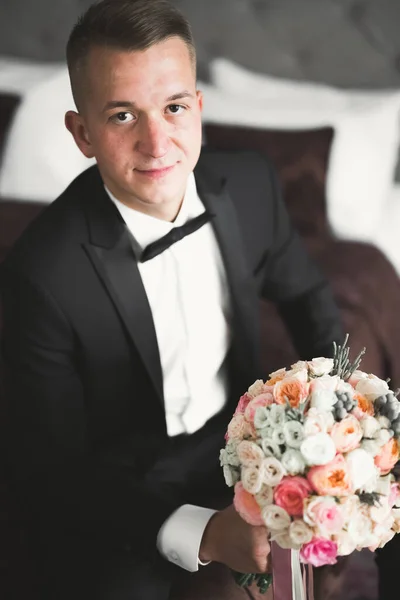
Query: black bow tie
176, 234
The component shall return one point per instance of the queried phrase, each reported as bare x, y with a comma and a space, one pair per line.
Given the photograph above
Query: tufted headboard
350, 43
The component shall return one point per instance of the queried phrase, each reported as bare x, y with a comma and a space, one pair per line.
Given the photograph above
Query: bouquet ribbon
291, 580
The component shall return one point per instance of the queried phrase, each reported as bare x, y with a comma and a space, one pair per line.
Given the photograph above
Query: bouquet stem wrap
290, 579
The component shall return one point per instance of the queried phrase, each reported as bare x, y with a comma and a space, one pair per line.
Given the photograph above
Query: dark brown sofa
366, 287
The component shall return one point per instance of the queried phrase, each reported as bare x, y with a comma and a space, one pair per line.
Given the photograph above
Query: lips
155, 173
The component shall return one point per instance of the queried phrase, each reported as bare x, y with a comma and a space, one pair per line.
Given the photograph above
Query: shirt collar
146, 229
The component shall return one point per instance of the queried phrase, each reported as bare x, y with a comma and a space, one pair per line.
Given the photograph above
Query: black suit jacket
84, 380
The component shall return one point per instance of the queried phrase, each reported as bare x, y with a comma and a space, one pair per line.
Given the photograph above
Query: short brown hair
123, 25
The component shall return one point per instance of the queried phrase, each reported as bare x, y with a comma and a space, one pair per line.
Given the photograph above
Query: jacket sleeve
62, 481
302, 294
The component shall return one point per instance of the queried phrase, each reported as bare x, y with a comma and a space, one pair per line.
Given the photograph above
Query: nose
153, 138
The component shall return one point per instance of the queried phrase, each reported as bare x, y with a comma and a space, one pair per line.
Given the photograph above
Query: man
124, 364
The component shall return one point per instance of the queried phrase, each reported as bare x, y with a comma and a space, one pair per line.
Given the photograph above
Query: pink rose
246, 505
346, 434
242, 405
238, 428
264, 399
319, 552
290, 494
332, 479
323, 512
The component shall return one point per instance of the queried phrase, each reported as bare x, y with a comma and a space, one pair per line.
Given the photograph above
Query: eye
176, 109
122, 117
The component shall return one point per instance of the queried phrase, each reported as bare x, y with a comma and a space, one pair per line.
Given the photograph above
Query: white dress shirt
188, 295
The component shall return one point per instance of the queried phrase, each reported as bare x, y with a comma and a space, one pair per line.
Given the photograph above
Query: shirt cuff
180, 536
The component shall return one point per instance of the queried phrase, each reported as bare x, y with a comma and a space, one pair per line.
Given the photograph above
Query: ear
76, 126
199, 96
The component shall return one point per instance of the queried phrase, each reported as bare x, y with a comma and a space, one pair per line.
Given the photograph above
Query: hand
228, 539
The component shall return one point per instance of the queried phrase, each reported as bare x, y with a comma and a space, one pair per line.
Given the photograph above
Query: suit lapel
111, 251
216, 198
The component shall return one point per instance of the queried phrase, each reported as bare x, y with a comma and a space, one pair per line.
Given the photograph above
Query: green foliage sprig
341, 364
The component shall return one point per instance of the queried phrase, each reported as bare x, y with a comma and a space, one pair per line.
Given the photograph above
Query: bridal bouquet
310, 453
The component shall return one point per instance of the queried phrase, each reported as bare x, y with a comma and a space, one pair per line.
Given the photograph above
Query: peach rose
388, 456
290, 494
264, 399
332, 479
291, 390
247, 506
276, 376
364, 406
319, 552
249, 454
346, 434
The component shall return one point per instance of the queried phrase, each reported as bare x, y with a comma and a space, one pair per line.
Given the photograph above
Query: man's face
141, 119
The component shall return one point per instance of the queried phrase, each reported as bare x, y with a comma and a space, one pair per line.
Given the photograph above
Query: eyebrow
128, 104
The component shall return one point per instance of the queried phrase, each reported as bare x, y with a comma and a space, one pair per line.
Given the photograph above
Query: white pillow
365, 146
41, 158
17, 75
387, 230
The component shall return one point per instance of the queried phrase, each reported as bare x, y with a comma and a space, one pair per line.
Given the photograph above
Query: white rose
283, 539
346, 545
249, 454
360, 528
265, 496
293, 462
270, 448
344, 388
299, 373
256, 388
272, 471
370, 446
279, 374
261, 417
318, 449
322, 392
275, 517
361, 467
383, 485
349, 505
380, 513
277, 435
276, 414
252, 479
231, 475
396, 517
318, 421
382, 437
293, 433
372, 387
320, 366
300, 365
383, 422
266, 432
370, 426
228, 455
300, 533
